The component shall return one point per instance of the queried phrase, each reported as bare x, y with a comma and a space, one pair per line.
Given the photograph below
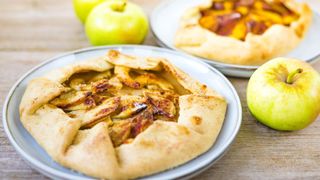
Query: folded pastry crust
255, 49
83, 142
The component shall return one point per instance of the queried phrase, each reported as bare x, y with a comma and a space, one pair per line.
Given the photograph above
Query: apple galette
247, 32
121, 116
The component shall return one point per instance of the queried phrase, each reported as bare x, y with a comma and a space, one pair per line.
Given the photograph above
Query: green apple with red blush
284, 94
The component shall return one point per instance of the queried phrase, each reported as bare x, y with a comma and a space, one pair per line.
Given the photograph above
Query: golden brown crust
161, 146
254, 50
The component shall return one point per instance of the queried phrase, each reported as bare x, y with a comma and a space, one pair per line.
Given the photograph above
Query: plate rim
51, 172
215, 63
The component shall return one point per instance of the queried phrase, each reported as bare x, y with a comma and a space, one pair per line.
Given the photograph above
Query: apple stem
292, 74
119, 6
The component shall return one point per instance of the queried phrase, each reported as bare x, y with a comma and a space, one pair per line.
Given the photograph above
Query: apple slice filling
237, 18
129, 101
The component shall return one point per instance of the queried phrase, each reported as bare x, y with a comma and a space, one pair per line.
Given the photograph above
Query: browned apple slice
256, 27
79, 84
120, 131
239, 31
106, 119
101, 85
163, 94
141, 121
101, 111
246, 3
130, 110
268, 16
209, 22
130, 99
277, 7
86, 104
242, 9
151, 79
70, 98
227, 23
123, 74
218, 5
288, 19
163, 107
100, 76
236, 18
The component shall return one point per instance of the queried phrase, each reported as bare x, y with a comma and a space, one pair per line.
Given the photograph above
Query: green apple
83, 8
116, 22
284, 94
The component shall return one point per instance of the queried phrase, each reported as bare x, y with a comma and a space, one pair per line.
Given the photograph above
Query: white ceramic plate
39, 159
165, 21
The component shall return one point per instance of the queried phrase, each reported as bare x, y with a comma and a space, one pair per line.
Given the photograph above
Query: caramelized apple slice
239, 31
243, 10
277, 7
76, 114
228, 5
288, 19
70, 98
245, 3
268, 16
164, 103
119, 132
163, 107
101, 85
227, 23
86, 104
218, 5
209, 22
234, 17
123, 74
79, 84
148, 79
170, 95
130, 99
100, 76
93, 123
116, 83
101, 111
212, 13
256, 27
130, 110
141, 121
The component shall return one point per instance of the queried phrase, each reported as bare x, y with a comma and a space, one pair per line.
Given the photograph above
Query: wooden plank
34, 30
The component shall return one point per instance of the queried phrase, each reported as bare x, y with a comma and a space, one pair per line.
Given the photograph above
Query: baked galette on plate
246, 32
121, 116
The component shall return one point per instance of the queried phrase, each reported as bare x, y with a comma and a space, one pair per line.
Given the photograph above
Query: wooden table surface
32, 31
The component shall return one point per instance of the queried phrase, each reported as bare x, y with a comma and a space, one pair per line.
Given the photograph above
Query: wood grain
34, 30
